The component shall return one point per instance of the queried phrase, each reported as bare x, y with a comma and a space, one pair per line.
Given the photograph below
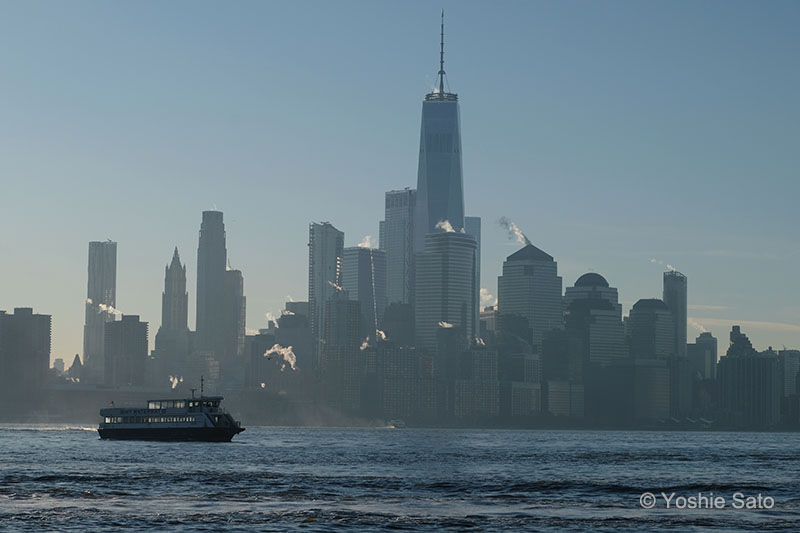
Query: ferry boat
191, 419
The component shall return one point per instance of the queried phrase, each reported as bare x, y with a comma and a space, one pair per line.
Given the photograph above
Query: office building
325, 250
397, 241
440, 195
101, 300
749, 385
24, 351
530, 287
212, 258
125, 351
364, 280
445, 287
172, 338
675, 296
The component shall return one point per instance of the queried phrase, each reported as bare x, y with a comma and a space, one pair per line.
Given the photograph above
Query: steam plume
487, 298
286, 353
696, 325
513, 231
335, 286
366, 242
445, 324
445, 225
103, 308
660, 262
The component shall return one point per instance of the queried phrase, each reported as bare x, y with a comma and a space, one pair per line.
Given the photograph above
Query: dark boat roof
196, 399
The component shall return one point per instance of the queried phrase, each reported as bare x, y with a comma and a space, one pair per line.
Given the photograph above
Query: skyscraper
676, 299
397, 240
172, 339
652, 347
126, 351
530, 287
594, 319
703, 356
175, 298
650, 330
24, 351
101, 298
325, 250
445, 287
440, 195
234, 308
364, 279
341, 360
211, 262
472, 226
749, 384
592, 286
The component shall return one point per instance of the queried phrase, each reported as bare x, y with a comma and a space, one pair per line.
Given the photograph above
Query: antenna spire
441, 59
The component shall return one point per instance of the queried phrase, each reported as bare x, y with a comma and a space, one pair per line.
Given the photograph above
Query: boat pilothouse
191, 419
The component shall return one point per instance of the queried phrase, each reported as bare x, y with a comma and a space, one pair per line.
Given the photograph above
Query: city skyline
739, 266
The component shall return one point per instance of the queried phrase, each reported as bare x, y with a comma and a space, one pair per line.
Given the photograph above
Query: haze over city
620, 137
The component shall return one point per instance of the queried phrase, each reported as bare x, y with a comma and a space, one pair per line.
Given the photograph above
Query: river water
64, 478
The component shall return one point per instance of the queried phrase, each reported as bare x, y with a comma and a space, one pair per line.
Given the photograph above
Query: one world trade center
440, 194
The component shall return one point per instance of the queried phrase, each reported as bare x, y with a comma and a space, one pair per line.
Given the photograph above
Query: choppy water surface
65, 478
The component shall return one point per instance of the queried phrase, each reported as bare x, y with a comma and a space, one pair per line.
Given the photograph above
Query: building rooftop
591, 279
529, 253
650, 303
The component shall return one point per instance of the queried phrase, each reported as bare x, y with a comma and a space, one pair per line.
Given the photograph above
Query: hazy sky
613, 133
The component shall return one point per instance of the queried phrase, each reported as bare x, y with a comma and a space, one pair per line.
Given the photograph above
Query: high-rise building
749, 385
175, 298
24, 351
703, 356
472, 226
101, 298
596, 327
676, 299
341, 366
651, 339
397, 240
364, 279
125, 351
592, 286
530, 287
234, 305
325, 250
172, 339
211, 262
651, 330
790, 367
445, 287
440, 195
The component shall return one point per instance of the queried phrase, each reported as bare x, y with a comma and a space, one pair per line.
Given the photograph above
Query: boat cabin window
167, 404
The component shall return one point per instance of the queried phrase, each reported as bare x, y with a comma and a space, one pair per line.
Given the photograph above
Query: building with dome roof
592, 286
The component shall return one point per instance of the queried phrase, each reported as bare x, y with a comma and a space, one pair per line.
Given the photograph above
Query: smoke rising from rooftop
513, 231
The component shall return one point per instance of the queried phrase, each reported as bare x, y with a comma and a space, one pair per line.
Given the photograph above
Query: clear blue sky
611, 132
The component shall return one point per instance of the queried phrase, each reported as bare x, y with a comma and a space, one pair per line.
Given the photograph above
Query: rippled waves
65, 478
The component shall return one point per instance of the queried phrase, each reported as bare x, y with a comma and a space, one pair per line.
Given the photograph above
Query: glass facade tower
440, 194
